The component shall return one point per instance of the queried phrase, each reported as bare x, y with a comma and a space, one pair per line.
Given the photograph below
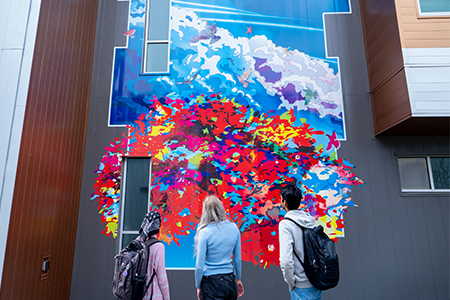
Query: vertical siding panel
390, 188
361, 234
382, 226
46, 197
36, 184
60, 177
400, 226
436, 220
41, 174
28, 158
445, 216
405, 252
381, 31
421, 251
368, 232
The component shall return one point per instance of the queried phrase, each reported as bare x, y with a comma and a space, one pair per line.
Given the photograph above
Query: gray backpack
130, 270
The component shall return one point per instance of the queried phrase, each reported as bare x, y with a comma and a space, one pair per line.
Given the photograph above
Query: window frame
432, 190
429, 15
147, 42
122, 200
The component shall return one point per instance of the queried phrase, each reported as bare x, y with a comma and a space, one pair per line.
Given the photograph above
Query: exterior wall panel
428, 77
381, 235
111, 18
385, 64
420, 32
384, 55
391, 103
17, 40
45, 202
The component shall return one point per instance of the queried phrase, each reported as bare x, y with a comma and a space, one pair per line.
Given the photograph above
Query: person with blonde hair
215, 241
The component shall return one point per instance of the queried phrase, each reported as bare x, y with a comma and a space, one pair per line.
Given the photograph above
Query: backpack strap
295, 253
149, 242
150, 282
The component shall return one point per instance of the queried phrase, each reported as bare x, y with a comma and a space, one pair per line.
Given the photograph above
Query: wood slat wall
46, 195
390, 103
390, 100
382, 40
420, 32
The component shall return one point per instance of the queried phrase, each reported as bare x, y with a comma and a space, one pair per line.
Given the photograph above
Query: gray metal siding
395, 247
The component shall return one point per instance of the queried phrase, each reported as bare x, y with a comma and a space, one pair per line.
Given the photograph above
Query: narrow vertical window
135, 197
156, 50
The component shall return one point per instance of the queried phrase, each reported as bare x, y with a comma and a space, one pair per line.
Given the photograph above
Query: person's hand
292, 288
240, 288
198, 294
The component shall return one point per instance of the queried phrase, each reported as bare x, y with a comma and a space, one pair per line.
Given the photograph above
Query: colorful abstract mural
214, 145
250, 103
272, 62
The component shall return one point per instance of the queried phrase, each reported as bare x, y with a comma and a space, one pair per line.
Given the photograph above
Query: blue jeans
305, 294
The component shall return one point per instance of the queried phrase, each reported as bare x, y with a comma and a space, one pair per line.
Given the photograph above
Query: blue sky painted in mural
269, 56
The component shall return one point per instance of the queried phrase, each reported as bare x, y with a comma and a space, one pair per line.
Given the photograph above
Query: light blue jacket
216, 244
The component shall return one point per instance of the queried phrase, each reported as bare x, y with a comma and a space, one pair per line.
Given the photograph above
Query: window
424, 174
135, 197
433, 8
157, 40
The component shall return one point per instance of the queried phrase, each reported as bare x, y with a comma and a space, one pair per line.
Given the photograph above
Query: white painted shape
15, 27
426, 56
429, 90
428, 77
19, 30
5, 6
28, 51
21, 18
434, 107
433, 99
9, 78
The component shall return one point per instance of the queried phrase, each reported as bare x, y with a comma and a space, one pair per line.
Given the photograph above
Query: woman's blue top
216, 243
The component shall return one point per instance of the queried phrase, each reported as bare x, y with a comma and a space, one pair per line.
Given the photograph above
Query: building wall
426, 51
421, 32
408, 62
387, 79
86, 284
382, 255
18, 26
45, 203
427, 73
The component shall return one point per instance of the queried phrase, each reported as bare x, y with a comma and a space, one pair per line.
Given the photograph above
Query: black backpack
321, 261
130, 270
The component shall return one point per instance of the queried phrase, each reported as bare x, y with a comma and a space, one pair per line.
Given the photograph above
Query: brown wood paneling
382, 40
388, 86
46, 195
391, 103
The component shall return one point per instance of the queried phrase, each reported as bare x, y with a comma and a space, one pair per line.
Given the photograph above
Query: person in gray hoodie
291, 238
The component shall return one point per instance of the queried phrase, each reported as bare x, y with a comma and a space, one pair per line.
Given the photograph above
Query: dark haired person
159, 288
291, 237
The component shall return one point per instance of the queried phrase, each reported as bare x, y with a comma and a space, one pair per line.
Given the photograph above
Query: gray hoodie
291, 236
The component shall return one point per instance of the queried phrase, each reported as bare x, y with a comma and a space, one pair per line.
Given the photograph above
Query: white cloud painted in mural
296, 68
